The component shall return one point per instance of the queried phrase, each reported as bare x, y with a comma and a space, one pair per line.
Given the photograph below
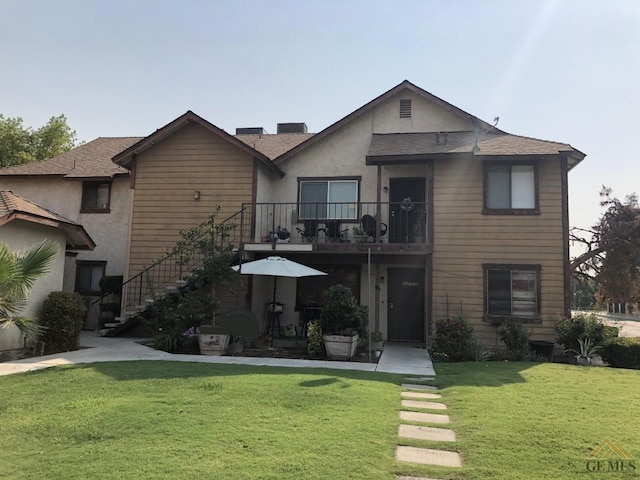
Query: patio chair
310, 231
333, 231
369, 227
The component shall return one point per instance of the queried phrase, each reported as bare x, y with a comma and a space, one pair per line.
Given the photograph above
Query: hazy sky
558, 70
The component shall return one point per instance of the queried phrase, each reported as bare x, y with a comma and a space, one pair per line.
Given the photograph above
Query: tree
20, 144
612, 256
18, 273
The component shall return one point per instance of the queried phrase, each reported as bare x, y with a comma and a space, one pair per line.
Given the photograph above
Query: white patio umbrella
277, 267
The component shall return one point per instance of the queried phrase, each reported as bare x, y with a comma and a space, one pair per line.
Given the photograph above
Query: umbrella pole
273, 309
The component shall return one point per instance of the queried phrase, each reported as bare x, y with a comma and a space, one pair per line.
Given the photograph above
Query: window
88, 276
512, 291
510, 188
328, 199
96, 197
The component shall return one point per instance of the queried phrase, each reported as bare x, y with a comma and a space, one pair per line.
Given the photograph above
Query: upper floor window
88, 276
510, 188
328, 199
96, 197
512, 291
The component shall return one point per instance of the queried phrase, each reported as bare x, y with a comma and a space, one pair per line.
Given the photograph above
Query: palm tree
18, 273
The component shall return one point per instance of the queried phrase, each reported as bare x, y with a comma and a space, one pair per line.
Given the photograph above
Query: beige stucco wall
108, 230
19, 235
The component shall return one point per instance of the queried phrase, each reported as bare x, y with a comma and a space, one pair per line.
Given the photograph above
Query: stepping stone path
417, 396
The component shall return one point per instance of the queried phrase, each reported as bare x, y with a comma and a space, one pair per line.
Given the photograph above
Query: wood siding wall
166, 177
464, 239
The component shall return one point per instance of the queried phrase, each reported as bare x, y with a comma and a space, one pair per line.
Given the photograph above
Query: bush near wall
63, 316
622, 352
569, 330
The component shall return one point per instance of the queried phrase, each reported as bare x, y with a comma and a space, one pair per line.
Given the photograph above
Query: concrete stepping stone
420, 404
419, 379
428, 456
414, 478
424, 417
431, 396
417, 386
426, 433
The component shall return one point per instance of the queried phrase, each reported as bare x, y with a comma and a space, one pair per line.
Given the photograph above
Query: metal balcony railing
389, 222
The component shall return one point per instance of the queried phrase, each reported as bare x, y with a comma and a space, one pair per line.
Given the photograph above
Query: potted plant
586, 353
341, 320
360, 235
377, 342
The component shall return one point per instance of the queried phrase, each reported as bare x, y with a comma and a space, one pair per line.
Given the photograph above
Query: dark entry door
402, 213
405, 304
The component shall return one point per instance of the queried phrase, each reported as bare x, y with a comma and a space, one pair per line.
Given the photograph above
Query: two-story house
462, 217
422, 209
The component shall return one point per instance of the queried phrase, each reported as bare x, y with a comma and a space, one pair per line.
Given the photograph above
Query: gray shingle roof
92, 159
398, 144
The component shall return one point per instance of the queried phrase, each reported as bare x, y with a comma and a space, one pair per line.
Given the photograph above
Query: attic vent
292, 128
405, 108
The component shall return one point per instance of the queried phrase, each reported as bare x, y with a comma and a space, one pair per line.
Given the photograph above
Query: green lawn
165, 420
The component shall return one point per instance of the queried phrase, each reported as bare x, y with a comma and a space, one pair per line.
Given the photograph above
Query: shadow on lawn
163, 370
481, 374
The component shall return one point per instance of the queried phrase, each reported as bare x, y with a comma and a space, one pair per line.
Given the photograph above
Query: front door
405, 304
407, 208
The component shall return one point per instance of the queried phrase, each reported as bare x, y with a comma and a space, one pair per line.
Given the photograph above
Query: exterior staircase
169, 274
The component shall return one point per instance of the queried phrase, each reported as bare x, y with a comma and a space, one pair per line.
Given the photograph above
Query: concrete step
434, 434
423, 404
428, 456
416, 386
424, 417
112, 324
430, 396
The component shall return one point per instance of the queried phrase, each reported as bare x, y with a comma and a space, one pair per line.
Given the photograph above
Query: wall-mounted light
385, 189
381, 278
196, 195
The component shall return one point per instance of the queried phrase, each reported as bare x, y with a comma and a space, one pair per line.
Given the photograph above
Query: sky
567, 70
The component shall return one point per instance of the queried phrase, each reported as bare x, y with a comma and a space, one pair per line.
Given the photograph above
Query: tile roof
399, 144
274, 145
92, 159
14, 207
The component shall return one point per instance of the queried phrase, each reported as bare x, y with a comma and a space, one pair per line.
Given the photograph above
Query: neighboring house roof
387, 147
274, 145
15, 207
90, 160
125, 157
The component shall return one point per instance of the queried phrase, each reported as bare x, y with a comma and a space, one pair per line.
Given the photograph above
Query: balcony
393, 227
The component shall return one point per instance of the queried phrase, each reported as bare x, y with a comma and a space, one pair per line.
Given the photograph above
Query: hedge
622, 352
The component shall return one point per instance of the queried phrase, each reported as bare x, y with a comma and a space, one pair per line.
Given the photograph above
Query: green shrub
341, 314
177, 341
569, 330
315, 343
622, 352
477, 351
452, 339
63, 316
516, 338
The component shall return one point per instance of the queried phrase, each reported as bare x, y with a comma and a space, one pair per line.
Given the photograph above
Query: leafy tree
612, 258
20, 144
18, 273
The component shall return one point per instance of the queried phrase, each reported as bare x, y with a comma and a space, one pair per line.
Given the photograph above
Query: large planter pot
212, 343
340, 347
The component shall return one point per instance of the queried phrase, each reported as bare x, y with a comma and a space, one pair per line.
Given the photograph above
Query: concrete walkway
396, 358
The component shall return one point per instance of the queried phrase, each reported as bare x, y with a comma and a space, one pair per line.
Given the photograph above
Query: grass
517, 420
164, 420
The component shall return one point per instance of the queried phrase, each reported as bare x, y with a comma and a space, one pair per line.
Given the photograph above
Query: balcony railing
335, 222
